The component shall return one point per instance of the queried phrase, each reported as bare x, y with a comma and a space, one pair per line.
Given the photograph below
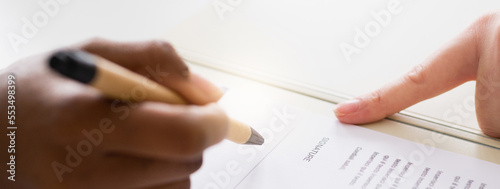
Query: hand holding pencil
119, 83
81, 138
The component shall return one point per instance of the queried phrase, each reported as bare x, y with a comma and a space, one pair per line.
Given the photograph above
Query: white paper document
306, 150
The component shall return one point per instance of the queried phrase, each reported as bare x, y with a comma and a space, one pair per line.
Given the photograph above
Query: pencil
114, 81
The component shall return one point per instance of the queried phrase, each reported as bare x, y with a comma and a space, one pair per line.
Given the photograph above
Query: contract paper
306, 150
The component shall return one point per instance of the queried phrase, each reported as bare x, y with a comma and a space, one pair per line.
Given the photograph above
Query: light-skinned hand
473, 55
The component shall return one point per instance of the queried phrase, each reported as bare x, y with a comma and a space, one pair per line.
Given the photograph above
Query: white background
79, 20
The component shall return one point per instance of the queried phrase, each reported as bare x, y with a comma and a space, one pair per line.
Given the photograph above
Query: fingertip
346, 111
358, 111
347, 107
349, 119
212, 92
488, 124
197, 90
495, 134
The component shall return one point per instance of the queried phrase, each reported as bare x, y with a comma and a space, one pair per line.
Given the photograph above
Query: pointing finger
455, 64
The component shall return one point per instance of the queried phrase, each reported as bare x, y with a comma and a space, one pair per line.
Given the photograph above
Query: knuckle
376, 99
486, 18
480, 29
483, 24
376, 96
161, 52
416, 76
159, 46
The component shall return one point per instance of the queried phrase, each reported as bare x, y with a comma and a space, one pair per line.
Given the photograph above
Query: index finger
451, 66
158, 61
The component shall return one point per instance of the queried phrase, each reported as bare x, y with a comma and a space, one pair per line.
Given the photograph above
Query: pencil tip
255, 138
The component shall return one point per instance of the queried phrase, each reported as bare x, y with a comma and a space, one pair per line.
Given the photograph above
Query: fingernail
346, 108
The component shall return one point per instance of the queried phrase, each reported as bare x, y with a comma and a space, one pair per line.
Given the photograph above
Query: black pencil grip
78, 65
